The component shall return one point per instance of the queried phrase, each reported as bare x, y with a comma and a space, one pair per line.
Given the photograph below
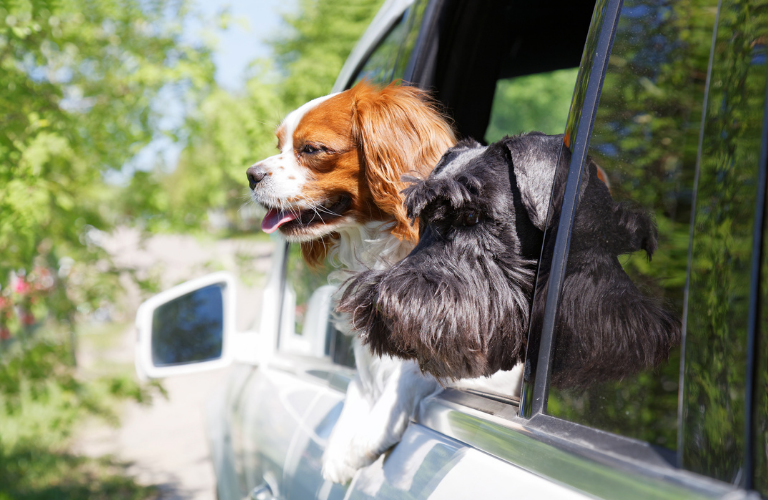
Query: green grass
39, 418
33, 472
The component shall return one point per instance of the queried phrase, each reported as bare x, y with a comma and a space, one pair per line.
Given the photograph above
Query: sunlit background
127, 128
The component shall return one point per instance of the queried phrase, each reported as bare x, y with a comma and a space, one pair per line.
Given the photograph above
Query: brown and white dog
335, 187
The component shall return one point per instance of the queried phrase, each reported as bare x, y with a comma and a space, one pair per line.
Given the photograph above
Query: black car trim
425, 50
568, 210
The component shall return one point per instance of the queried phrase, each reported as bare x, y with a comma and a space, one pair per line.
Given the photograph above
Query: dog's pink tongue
274, 219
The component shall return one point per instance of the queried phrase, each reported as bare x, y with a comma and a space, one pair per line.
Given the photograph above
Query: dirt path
165, 442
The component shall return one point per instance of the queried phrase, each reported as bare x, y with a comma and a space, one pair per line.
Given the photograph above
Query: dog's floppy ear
421, 192
534, 158
398, 130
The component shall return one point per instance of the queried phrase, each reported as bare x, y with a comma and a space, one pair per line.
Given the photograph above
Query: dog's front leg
390, 414
338, 465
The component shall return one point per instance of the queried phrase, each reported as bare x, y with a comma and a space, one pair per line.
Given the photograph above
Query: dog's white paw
336, 468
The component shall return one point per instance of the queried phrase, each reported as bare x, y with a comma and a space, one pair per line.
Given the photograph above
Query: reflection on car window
714, 396
612, 366
533, 102
300, 282
390, 59
760, 425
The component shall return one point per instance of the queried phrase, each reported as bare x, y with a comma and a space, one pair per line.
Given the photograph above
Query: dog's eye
309, 149
471, 218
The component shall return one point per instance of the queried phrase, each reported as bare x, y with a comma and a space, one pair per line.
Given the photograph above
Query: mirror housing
187, 329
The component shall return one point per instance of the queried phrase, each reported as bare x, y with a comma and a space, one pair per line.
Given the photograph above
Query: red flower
21, 286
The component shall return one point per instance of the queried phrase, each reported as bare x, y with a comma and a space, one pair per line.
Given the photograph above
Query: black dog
460, 302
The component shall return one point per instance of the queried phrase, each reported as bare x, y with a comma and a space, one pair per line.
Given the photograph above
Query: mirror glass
190, 328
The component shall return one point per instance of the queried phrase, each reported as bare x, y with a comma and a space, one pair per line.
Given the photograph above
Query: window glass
615, 363
389, 60
301, 281
533, 102
533, 399
760, 406
713, 400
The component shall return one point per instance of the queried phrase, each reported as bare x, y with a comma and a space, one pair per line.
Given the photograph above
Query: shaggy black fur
460, 302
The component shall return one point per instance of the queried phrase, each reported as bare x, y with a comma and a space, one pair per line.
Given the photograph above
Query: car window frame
381, 26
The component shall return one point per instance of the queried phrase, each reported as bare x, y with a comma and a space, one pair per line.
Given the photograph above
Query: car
669, 98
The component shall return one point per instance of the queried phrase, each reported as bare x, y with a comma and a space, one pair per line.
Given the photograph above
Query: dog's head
340, 161
459, 303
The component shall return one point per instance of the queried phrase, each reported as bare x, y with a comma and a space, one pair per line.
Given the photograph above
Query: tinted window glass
616, 359
189, 329
390, 58
300, 282
534, 102
721, 271
761, 390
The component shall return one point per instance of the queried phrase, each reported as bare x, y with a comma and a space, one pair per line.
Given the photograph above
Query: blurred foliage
82, 80
86, 86
34, 472
716, 347
534, 102
81, 83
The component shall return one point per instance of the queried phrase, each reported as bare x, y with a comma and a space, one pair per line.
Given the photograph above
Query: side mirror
187, 329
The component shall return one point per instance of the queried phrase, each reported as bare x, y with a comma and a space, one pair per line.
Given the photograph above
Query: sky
235, 48
243, 41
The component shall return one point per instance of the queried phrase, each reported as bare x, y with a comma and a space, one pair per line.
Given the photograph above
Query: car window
718, 319
612, 367
532, 102
390, 58
481, 57
301, 281
760, 424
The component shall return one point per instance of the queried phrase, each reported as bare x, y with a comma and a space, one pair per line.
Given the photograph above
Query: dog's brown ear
398, 130
602, 175
315, 251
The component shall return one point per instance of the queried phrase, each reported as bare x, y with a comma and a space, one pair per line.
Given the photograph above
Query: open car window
533, 102
480, 49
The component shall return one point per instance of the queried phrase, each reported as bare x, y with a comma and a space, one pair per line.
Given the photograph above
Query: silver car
670, 99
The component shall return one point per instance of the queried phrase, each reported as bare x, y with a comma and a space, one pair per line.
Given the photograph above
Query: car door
670, 101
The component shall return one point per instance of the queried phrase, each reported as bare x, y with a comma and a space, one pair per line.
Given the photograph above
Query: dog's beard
433, 307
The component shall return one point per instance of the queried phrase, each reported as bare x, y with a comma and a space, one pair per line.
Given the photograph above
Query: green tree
81, 82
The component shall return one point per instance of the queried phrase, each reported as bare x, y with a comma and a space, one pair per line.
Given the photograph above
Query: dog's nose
255, 174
